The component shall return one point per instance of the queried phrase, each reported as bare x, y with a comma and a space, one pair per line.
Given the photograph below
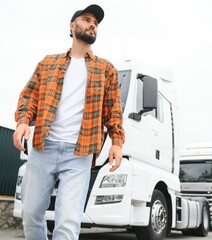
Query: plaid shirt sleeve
27, 104
112, 110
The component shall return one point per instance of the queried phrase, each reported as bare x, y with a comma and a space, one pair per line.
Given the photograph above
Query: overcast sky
175, 34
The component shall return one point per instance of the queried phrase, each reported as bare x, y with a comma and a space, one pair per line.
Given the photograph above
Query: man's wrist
115, 145
23, 120
117, 141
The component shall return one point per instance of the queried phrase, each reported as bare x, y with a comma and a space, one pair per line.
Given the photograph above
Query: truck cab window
196, 171
124, 82
160, 109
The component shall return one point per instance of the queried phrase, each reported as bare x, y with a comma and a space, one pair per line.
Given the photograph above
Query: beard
83, 36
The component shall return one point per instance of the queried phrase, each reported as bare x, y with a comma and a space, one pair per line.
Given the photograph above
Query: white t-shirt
68, 119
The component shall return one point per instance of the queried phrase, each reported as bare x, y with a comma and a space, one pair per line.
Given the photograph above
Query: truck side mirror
150, 96
150, 93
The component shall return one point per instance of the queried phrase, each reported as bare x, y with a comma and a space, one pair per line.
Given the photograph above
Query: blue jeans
57, 161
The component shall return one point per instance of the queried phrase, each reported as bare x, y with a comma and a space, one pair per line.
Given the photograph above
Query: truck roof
164, 76
197, 150
164, 73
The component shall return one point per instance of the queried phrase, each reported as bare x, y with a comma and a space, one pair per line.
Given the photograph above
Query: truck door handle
157, 154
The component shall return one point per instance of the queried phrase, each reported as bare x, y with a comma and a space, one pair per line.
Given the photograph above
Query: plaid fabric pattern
40, 97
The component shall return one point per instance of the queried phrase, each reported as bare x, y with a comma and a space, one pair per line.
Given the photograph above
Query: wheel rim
158, 217
205, 218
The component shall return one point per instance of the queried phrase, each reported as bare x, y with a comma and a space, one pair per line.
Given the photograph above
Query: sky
175, 34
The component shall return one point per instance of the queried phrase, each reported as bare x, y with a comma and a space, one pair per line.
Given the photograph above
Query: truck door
154, 132
146, 135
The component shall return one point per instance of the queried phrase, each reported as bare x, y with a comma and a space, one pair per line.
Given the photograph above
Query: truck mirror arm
137, 116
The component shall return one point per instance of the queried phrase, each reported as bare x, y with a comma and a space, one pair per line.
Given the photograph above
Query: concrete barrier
7, 220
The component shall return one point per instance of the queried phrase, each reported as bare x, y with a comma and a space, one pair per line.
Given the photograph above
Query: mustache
91, 29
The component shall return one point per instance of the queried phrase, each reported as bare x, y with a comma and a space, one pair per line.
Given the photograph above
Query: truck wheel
204, 227
158, 222
50, 226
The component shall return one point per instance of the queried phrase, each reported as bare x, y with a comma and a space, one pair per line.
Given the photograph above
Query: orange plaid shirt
39, 101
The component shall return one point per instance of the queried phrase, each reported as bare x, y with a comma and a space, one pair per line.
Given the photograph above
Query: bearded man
71, 97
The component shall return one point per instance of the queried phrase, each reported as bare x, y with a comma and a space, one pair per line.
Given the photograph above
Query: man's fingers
113, 168
115, 157
27, 134
111, 158
17, 141
116, 165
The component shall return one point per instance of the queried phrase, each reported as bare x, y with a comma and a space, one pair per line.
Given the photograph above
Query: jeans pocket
49, 143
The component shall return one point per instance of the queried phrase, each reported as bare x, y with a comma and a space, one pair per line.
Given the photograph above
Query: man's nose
93, 25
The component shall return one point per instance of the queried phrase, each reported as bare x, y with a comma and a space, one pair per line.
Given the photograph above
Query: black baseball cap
96, 10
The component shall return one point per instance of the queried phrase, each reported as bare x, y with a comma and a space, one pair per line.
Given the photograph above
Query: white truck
142, 195
196, 171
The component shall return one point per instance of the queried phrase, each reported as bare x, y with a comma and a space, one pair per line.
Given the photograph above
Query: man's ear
72, 26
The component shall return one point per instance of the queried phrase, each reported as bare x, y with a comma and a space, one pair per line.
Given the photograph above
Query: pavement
98, 234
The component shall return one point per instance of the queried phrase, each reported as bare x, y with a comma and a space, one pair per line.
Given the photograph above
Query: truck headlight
108, 199
115, 180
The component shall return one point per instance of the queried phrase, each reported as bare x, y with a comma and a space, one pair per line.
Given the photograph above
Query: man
71, 96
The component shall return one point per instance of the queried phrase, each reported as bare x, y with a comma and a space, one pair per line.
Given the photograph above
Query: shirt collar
88, 54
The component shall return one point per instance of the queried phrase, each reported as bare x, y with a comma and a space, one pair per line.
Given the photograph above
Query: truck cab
143, 194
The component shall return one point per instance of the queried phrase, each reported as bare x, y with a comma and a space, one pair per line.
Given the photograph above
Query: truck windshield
196, 171
124, 82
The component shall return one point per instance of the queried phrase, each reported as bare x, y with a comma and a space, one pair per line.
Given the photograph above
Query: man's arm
112, 112
27, 108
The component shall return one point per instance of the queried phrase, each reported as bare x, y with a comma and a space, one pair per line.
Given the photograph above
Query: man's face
86, 28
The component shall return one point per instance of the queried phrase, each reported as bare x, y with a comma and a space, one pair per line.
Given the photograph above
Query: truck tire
158, 221
204, 227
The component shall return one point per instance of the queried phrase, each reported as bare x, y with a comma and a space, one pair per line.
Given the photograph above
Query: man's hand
115, 154
23, 130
